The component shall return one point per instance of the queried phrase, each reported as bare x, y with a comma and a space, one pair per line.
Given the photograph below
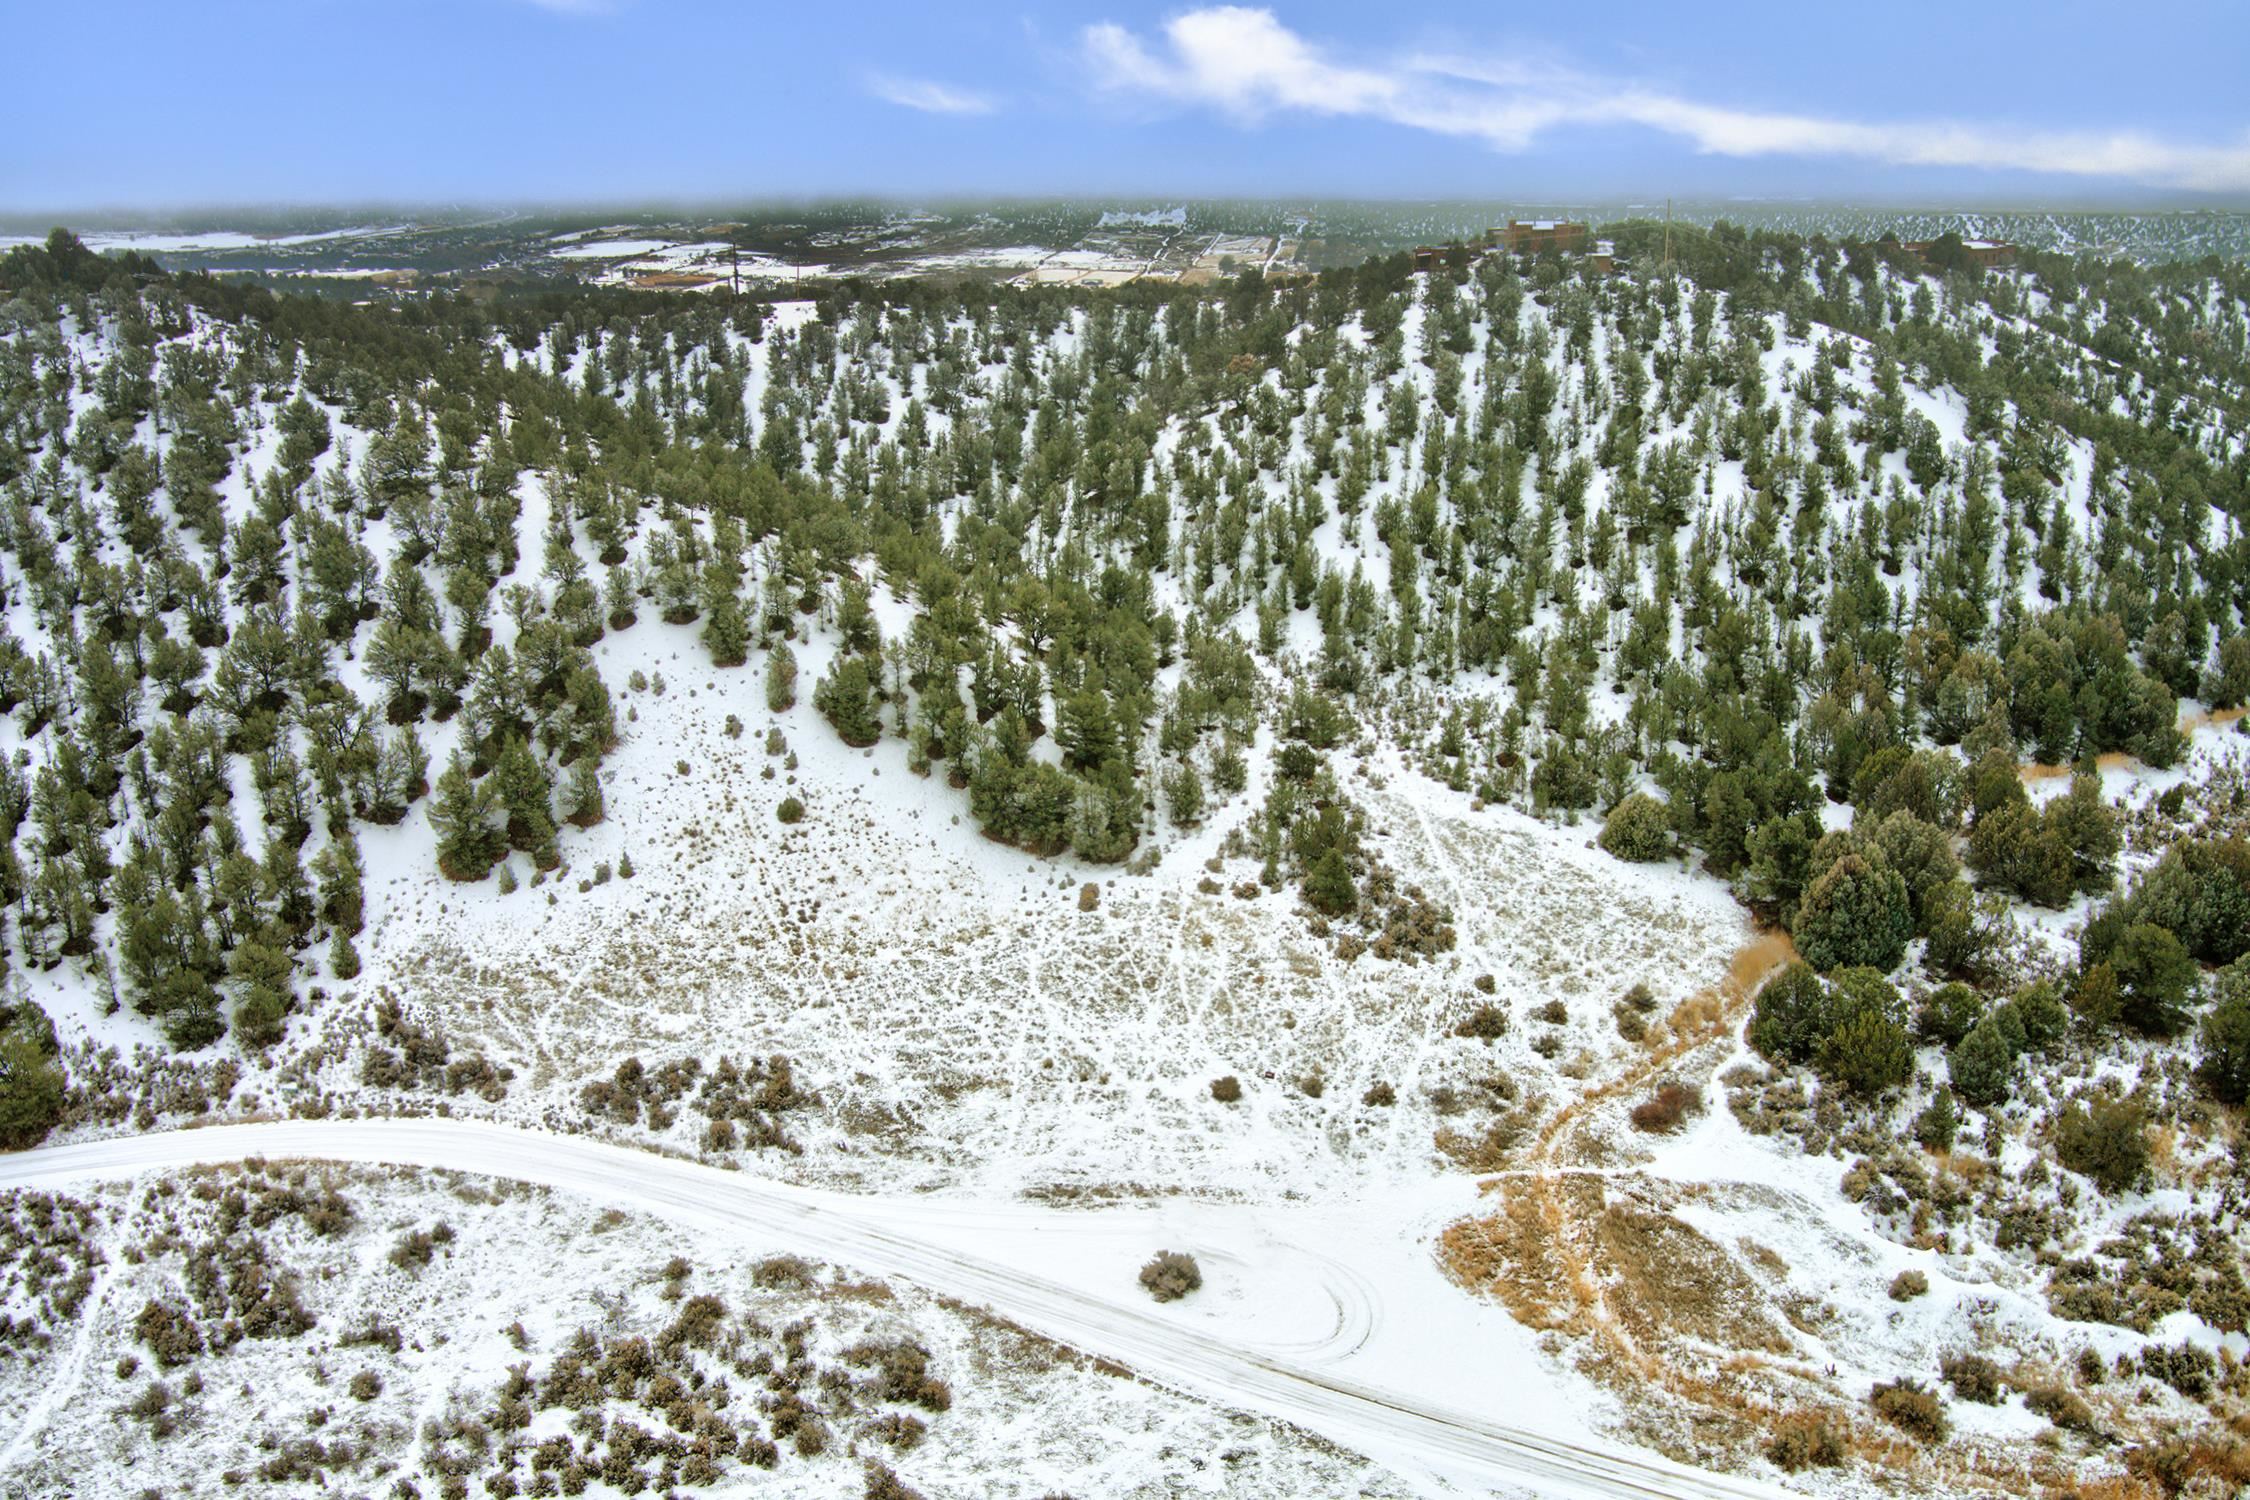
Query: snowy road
1291, 1322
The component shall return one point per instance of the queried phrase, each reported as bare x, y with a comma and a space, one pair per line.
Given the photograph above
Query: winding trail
64, 1383
1282, 1328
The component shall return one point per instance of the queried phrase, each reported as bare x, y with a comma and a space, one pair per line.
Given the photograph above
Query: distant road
1272, 1371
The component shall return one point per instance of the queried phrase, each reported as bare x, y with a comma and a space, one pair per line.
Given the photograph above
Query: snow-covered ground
1309, 1315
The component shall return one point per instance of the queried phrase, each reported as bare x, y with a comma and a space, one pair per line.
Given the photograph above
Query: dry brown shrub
1665, 1279
1519, 1255
2114, 1487
1912, 1408
1694, 1019
2220, 1466
1492, 1148
1805, 1440
1170, 1275
1668, 1108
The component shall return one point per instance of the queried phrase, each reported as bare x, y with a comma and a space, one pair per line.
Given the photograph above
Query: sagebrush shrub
1668, 1108
1171, 1275
1972, 1377
2102, 1139
1912, 1408
1805, 1440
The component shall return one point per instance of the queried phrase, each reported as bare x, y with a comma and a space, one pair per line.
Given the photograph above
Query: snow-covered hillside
1362, 744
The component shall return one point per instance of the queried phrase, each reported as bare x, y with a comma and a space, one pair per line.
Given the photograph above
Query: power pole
1667, 235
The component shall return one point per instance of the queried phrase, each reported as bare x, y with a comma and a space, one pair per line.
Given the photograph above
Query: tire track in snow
1441, 1449
56, 1393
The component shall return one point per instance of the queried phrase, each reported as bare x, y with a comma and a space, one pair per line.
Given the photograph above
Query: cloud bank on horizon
1248, 66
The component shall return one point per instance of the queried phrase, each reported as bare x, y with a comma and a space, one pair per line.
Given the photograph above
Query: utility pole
1667, 235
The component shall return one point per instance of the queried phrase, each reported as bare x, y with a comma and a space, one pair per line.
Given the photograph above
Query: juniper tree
781, 678
261, 969
1855, 913
31, 1082
1980, 1065
2224, 1037
469, 822
526, 796
726, 633
846, 698
583, 804
341, 878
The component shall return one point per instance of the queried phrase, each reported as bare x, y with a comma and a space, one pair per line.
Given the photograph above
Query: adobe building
1538, 237
1985, 255
1442, 257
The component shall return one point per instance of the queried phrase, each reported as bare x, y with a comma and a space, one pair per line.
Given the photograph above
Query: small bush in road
1171, 1275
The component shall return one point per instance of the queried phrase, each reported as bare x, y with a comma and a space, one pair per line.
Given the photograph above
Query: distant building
1602, 259
1983, 254
1442, 257
1538, 237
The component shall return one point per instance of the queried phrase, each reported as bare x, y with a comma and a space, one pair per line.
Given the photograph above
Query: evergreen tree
2224, 1065
1791, 1015
1938, 1123
343, 955
583, 803
726, 630
526, 795
846, 698
1982, 1065
2155, 978
260, 968
781, 679
466, 816
31, 1080
1856, 913
1183, 794
1329, 888
1868, 1053
1638, 829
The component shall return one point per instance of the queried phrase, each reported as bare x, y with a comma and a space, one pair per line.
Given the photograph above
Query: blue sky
339, 101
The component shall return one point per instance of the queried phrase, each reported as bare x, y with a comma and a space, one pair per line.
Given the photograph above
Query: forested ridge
1694, 549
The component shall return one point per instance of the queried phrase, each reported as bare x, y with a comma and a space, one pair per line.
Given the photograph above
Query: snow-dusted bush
1912, 1408
1171, 1275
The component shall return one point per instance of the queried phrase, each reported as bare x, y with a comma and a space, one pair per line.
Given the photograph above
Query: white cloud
1247, 65
929, 97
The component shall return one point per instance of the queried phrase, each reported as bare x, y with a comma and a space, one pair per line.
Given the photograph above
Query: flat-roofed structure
1538, 236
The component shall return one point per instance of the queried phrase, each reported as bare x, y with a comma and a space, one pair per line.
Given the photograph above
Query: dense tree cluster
1569, 540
